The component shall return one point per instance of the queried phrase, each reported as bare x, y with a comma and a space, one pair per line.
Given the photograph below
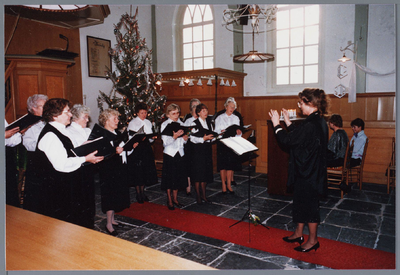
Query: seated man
359, 139
337, 143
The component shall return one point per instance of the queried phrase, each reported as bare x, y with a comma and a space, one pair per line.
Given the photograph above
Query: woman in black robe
307, 163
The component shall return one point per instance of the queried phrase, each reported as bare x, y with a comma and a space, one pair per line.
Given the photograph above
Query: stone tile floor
365, 218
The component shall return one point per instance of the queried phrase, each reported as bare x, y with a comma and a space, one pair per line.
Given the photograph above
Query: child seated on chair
359, 138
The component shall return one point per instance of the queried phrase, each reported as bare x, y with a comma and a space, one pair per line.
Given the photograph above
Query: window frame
179, 35
274, 88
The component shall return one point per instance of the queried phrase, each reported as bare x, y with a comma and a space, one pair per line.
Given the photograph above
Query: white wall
337, 23
92, 85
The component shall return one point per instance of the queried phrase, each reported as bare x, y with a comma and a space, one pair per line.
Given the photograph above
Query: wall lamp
347, 48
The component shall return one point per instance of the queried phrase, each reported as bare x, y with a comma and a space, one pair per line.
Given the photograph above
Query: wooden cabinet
32, 74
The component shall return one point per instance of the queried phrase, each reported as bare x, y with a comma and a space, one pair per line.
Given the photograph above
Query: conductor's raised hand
92, 158
286, 117
274, 117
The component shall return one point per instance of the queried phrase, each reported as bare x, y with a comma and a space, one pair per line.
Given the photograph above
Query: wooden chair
357, 171
337, 175
391, 169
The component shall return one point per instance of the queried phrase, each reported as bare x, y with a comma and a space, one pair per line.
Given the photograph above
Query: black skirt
141, 165
305, 203
173, 174
114, 184
201, 163
227, 159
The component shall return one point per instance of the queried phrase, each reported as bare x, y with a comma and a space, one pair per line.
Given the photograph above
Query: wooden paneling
35, 74
376, 109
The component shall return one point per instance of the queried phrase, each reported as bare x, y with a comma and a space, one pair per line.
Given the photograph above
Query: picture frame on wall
98, 58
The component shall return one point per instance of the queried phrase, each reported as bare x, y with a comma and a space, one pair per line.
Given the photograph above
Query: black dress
201, 159
307, 165
114, 187
142, 168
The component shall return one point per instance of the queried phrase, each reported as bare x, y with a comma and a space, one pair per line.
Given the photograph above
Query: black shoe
114, 233
188, 194
207, 200
230, 192
299, 240
199, 202
233, 183
178, 204
224, 193
139, 198
145, 198
300, 249
170, 207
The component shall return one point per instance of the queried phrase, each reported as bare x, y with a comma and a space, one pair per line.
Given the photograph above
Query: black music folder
203, 132
138, 136
24, 122
102, 145
175, 127
99, 131
231, 130
239, 145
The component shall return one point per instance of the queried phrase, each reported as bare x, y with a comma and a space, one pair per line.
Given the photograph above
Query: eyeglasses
299, 103
66, 112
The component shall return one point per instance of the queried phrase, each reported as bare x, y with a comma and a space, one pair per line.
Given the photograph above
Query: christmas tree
133, 80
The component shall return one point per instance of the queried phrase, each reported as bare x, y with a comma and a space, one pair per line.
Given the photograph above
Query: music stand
242, 146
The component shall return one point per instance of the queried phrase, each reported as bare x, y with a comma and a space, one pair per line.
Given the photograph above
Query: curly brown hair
317, 98
54, 107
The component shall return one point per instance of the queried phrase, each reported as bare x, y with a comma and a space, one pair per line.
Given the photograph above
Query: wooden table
37, 242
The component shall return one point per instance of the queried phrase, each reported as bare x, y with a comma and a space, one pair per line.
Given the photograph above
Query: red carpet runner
333, 254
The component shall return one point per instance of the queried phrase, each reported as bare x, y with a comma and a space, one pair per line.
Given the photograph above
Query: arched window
198, 38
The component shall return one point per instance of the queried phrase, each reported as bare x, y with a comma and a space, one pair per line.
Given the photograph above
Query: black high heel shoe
300, 249
299, 240
114, 233
208, 201
170, 207
139, 198
229, 191
178, 204
144, 197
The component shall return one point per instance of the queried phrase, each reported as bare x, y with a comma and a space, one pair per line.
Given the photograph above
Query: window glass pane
208, 48
282, 20
208, 62
198, 33
311, 74
296, 37
187, 18
198, 64
201, 7
296, 75
296, 17
311, 35
207, 14
311, 15
282, 57
282, 39
296, 56
197, 49
282, 76
187, 65
197, 18
187, 50
187, 35
311, 54
208, 31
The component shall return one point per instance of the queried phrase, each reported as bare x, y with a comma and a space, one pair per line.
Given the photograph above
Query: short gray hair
79, 109
229, 100
33, 101
106, 114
